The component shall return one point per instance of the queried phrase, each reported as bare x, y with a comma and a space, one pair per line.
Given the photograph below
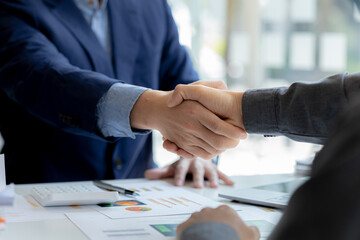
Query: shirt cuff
114, 110
259, 111
209, 231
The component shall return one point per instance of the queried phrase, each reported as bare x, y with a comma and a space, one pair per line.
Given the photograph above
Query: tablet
273, 195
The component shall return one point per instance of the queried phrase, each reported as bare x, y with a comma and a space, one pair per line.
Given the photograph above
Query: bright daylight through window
266, 43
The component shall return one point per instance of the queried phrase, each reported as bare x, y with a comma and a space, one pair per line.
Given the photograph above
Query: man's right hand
191, 126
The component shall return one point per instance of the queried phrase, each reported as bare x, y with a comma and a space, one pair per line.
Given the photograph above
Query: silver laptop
273, 195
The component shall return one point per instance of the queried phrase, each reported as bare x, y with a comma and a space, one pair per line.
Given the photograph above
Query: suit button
118, 163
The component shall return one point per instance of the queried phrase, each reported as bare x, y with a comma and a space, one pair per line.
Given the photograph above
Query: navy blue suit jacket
53, 71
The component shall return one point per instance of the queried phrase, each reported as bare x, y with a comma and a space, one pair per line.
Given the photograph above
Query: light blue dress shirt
115, 106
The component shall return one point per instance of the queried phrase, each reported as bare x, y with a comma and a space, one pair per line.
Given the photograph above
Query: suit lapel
124, 25
72, 18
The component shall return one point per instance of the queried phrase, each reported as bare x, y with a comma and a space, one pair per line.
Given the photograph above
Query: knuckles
224, 208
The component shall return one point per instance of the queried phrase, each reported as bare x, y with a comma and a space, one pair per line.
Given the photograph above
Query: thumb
212, 84
183, 92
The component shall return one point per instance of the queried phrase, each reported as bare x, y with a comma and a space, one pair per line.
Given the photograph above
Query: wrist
238, 115
146, 110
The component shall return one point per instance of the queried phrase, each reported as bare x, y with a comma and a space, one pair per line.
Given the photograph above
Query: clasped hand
222, 116
197, 127
197, 120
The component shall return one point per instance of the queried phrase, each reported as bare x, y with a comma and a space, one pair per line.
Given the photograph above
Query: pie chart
138, 209
126, 203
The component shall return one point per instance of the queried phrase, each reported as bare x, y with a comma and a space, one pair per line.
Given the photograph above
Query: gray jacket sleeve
209, 231
305, 112
327, 206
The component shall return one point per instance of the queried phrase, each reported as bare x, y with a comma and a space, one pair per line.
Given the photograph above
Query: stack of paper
7, 193
7, 196
2, 173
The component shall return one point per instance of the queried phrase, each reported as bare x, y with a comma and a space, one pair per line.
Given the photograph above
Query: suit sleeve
176, 65
303, 112
327, 206
35, 75
209, 231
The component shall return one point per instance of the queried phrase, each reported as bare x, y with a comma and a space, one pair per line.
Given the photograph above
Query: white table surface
61, 229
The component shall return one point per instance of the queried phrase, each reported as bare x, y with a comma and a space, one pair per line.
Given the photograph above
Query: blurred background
261, 44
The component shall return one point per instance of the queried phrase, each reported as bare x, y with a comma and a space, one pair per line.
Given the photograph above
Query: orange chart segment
177, 201
187, 200
138, 209
159, 203
164, 200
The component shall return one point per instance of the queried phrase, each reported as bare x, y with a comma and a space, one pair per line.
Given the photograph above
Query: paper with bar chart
156, 199
97, 226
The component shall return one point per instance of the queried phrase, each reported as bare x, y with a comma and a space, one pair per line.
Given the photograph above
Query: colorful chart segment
122, 203
146, 189
168, 230
138, 209
172, 202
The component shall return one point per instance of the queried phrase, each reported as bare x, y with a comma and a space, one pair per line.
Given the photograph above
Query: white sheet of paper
273, 50
2, 172
26, 209
302, 51
333, 56
98, 226
156, 198
303, 11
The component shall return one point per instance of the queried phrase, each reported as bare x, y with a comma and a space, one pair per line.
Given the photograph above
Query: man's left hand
199, 168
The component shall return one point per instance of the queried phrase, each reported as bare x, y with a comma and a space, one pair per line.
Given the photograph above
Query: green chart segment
168, 230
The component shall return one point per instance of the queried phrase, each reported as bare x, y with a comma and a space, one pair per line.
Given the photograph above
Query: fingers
212, 133
225, 178
193, 91
184, 154
170, 146
198, 172
211, 174
255, 232
204, 149
183, 92
221, 127
198, 152
159, 173
181, 169
210, 170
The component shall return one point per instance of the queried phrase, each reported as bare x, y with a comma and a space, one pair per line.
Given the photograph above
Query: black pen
110, 187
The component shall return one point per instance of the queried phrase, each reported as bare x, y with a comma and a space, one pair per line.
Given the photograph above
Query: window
267, 43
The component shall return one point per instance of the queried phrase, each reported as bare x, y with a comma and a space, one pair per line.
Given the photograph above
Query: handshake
197, 120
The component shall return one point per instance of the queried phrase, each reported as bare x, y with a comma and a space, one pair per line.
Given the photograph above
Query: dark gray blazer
328, 205
305, 112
